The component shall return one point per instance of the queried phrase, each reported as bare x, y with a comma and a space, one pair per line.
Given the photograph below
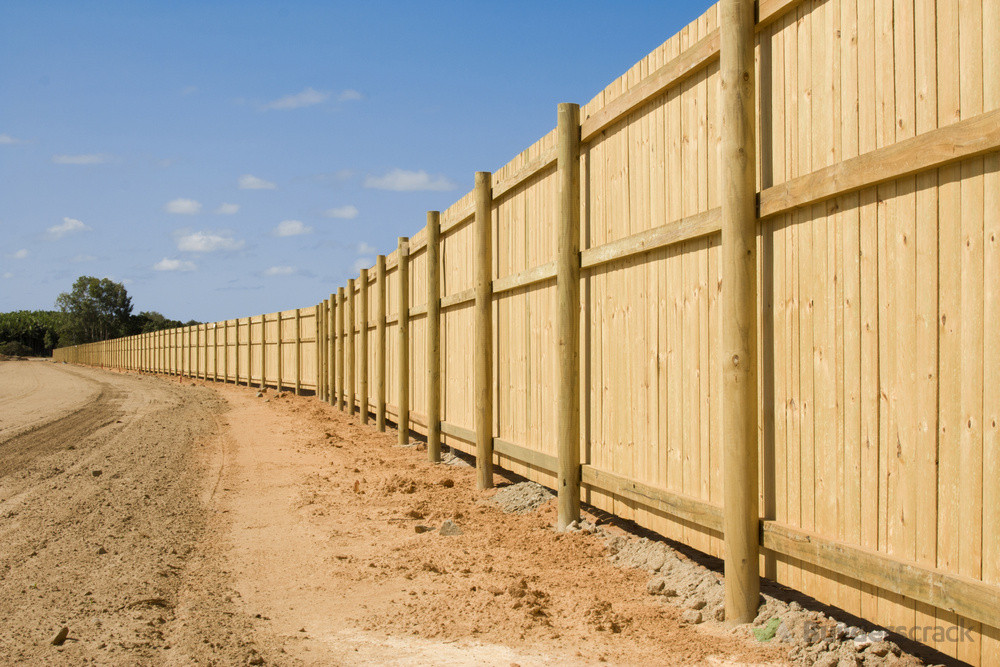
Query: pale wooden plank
926, 444
938, 588
792, 98
971, 137
690, 61
970, 516
902, 483
681, 506
885, 135
991, 325
823, 353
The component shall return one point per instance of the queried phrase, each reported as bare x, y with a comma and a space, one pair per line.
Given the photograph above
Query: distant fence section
878, 300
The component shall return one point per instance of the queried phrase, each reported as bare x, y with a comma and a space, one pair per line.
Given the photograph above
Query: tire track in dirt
103, 529
63, 432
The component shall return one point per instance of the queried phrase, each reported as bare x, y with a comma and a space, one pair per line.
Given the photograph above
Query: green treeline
94, 309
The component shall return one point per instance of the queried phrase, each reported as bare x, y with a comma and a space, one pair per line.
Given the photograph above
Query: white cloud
348, 212
365, 249
20, 254
8, 274
228, 209
68, 225
7, 140
402, 180
280, 271
90, 158
350, 95
183, 206
363, 263
306, 98
174, 265
189, 90
291, 228
250, 182
208, 242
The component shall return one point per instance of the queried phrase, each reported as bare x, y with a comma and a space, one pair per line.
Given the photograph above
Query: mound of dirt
522, 498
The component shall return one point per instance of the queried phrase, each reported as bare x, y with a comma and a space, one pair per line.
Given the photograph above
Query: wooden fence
878, 310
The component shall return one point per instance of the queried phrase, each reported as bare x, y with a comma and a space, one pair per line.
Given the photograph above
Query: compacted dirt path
165, 523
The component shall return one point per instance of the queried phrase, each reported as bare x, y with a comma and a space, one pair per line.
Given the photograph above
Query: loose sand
175, 522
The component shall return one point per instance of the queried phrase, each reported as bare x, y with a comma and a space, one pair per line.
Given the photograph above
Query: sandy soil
165, 523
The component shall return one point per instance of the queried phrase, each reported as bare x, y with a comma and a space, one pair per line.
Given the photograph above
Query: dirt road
165, 523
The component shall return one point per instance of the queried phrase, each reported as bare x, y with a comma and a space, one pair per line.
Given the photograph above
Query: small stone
879, 649
655, 561
828, 660
102, 551
720, 614
692, 616
849, 661
840, 631
853, 631
878, 635
697, 604
60, 636
96, 473
656, 586
447, 482
795, 606
260, 394
422, 529
449, 527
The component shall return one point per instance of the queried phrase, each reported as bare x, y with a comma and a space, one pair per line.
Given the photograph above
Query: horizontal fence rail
877, 144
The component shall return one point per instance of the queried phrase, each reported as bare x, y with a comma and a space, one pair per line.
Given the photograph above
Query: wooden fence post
739, 310
249, 350
434, 336
484, 330
324, 348
203, 350
351, 318
318, 347
341, 305
225, 351
363, 347
281, 361
403, 266
298, 351
568, 315
380, 343
236, 354
263, 352
215, 351
331, 392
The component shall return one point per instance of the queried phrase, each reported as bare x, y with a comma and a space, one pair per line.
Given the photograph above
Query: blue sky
225, 159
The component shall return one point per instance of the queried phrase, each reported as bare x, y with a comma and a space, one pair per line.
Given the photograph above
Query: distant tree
147, 321
36, 330
95, 309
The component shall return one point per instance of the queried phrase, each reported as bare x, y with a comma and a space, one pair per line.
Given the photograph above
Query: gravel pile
522, 498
